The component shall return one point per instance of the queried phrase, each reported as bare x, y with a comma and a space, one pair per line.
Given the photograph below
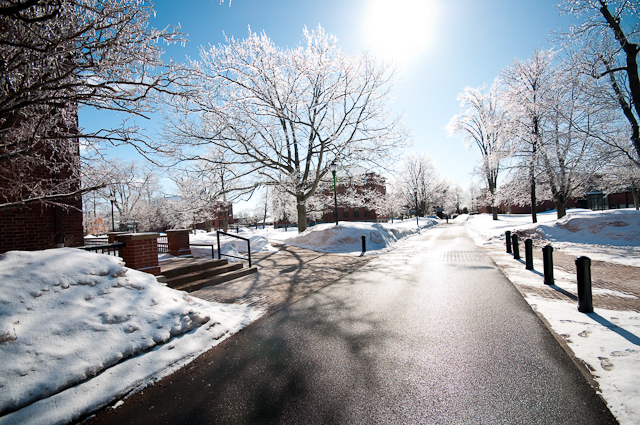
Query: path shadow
635, 340
564, 292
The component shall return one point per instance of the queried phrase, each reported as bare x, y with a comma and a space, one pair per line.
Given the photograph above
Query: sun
399, 30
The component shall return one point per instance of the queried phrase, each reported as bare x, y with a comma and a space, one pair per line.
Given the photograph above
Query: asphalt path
430, 333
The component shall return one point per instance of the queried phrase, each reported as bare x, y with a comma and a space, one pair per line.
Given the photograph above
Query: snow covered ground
70, 319
77, 329
607, 341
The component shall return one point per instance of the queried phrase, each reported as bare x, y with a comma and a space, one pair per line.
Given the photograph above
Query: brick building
595, 200
367, 180
39, 225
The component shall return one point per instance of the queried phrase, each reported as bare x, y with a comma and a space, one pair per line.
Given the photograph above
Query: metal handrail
204, 244
234, 236
110, 247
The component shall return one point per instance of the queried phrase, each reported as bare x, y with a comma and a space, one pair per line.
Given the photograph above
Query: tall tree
483, 124
570, 154
525, 87
609, 39
284, 115
59, 56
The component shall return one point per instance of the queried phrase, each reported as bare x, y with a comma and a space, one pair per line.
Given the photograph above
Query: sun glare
399, 30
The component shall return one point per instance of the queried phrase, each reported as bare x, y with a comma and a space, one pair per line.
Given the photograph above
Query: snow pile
610, 235
229, 245
68, 315
607, 341
346, 237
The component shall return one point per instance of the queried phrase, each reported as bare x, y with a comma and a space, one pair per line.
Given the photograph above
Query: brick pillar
141, 252
112, 236
178, 241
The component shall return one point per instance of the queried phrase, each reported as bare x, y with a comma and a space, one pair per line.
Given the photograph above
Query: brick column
141, 252
112, 236
178, 241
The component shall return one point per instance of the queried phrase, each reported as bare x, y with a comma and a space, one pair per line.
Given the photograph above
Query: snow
69, 319
607, 341
346, 237
78, 330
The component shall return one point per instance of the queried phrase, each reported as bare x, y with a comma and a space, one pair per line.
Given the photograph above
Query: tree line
562, 122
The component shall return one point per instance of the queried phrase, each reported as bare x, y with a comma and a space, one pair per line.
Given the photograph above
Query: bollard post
528, 254
508, 237
547, 259
516, 249
364, 244
583, 272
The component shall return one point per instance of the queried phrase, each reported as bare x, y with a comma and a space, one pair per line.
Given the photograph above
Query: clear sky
443, 46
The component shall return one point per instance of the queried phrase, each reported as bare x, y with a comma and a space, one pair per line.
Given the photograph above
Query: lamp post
112, 198
333, 167
415, 195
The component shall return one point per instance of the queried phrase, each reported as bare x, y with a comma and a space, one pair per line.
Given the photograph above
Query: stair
190, 274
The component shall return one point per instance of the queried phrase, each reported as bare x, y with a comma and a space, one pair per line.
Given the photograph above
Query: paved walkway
284, 277
430, 333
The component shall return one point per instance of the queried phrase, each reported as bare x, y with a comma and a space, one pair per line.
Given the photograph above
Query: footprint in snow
606, 364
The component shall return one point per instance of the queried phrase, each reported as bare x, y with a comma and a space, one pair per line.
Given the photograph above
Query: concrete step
171, 269
198, 275
216, 280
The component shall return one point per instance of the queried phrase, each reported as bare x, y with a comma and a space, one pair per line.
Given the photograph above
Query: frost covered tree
57, 57
284, 114
608, 37
570, 153
421, 179
483, 124
526, 86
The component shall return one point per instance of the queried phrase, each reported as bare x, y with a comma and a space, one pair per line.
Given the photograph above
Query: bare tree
283, 115
57, 57
526, 87
608, 37
483, 124
421, 183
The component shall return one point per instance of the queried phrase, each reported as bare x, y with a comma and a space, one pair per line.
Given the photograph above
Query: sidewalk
615, 278
283, 277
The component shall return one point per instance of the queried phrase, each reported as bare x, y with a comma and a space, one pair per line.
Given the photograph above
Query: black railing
163, 244
238, 237
109, 249
96, 241
204, 244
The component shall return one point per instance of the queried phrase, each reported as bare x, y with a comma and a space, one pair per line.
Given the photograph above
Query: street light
415, 195
112, 198
333, 167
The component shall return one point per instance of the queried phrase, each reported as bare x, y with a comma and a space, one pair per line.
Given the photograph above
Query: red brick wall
140, 252
34, 227
178, 241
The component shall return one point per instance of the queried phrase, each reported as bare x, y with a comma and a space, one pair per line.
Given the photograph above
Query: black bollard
516, 249
508, 235
583, 272
528, 254
364, 244
547, 259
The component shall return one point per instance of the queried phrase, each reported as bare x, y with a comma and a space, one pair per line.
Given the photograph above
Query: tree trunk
302, 214
634, 191
561, 207
494, 211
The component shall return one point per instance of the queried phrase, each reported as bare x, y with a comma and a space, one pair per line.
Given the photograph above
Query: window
367, 212
356, 212
345, 213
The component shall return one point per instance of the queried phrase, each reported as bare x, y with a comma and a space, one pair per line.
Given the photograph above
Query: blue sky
443, 45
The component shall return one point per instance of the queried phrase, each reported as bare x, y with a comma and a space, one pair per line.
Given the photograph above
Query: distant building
594, 200
37, 225
364, 213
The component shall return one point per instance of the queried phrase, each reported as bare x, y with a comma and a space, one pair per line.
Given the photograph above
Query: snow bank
610, 235
346, 237
68, 315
